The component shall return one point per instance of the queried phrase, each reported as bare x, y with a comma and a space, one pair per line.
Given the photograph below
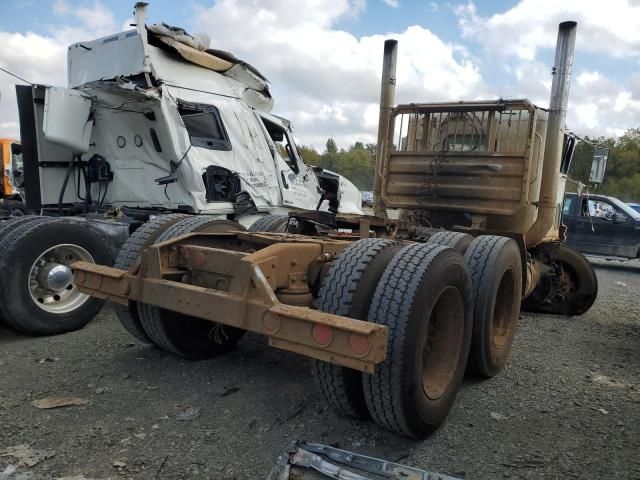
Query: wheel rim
443, 345
503, 311
50, 281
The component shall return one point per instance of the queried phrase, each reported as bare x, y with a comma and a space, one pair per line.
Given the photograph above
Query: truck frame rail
257, 282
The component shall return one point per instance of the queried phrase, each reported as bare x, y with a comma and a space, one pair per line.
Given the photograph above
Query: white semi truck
151, 123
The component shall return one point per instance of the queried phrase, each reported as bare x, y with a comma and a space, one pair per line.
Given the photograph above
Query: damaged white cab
153, 123
180, 127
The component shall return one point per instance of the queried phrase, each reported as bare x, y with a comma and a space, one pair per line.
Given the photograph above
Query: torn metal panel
310, 461
172, 56
105, 58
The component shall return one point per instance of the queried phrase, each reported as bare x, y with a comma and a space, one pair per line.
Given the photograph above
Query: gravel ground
567, 405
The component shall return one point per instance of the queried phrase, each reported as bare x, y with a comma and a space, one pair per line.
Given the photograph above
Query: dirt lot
567, 406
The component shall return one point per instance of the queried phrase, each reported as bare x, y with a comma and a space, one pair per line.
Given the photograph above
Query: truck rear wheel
496, 274
39, 297
12, 223
346, 290
270, 223
459, 241
144, 236
570, 290
184, 335
424, 298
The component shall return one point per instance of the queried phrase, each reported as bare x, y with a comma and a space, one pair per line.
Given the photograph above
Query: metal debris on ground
310, 461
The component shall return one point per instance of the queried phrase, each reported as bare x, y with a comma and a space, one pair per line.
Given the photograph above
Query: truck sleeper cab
147, 126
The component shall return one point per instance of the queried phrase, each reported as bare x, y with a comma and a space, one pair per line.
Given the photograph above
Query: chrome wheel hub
51, 279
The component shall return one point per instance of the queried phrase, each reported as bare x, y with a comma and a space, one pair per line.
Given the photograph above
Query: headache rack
472, 157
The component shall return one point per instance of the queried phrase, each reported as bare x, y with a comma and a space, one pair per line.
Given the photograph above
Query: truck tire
184, 335
12, 223
346, 290
459, 241
144, 236
270, 223
579, 283
495, 266
424, 298
38, 297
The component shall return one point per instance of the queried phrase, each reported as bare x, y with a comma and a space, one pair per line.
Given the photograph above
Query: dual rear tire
422, 293
37, 294
181, 334
444, 312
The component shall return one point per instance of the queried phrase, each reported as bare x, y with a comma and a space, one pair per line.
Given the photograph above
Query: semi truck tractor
152, 128
392, 311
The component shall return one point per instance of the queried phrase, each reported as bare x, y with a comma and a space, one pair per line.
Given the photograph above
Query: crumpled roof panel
194, 49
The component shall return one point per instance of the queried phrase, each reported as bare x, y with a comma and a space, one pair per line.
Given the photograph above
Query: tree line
355, 162
622, 176
621, 180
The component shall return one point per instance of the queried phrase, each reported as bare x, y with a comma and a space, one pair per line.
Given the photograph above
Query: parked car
367, 199
635, 206
601, 225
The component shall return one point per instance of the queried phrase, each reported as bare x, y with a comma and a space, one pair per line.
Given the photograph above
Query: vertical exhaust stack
545, 225
387, 102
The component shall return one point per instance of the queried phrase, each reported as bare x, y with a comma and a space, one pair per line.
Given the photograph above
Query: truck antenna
16, 76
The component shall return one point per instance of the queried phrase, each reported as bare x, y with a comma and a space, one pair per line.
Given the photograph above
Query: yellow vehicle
12, 171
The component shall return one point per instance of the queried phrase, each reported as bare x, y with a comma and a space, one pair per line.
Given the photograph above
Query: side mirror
598, 164
619, 218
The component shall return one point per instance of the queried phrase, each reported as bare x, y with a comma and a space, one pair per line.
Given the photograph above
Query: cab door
298, 184
602, 229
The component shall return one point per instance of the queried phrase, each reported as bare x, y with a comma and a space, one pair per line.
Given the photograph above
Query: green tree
331, 146
622, 176
309, 155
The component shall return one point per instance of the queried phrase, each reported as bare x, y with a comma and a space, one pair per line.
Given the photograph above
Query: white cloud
611, 27
41, 58
588, 114
392, 3
326, 80
598, 103
623, 100
588, 77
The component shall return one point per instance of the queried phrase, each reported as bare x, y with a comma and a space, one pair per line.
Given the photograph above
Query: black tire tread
458, 240
270, 223
480, 256
335, 296
149, 314
12, 223
391, 306
128, 256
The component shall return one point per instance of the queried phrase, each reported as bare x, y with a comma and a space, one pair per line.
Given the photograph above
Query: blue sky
328, 86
